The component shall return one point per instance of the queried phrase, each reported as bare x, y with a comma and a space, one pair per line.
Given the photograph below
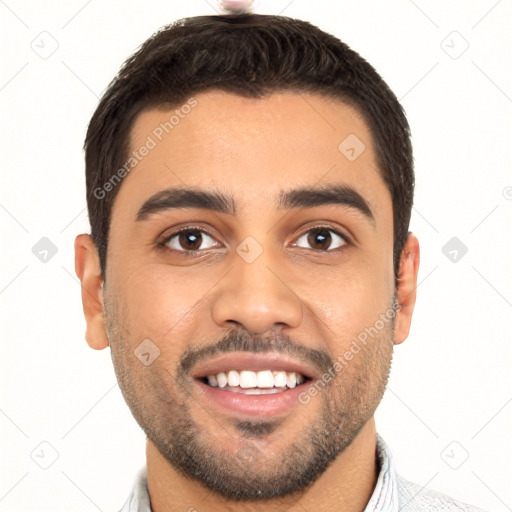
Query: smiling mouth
263, 382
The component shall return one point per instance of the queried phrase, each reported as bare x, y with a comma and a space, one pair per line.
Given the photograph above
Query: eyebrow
305, 197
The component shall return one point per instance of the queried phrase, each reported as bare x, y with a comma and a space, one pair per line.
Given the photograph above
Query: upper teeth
249, 379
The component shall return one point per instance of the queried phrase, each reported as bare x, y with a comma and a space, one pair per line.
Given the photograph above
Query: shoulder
414, 498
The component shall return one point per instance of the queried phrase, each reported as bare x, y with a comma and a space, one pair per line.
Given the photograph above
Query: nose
256, 297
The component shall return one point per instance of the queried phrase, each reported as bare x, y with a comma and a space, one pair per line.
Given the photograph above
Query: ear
406, 288
88, 270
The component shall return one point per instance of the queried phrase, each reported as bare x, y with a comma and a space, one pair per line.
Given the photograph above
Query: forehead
251, 148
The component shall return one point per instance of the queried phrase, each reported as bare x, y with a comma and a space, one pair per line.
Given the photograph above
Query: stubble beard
161, 404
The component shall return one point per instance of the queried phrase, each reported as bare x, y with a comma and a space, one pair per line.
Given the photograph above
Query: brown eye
321, 239
189, 240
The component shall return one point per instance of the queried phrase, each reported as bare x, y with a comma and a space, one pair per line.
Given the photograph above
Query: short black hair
251, 55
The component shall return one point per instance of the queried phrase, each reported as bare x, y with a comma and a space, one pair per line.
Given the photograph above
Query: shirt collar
385, 495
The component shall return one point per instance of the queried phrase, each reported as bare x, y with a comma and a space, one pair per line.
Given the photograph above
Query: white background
451, 380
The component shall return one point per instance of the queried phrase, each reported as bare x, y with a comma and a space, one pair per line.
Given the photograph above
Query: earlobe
406, 288
88, 270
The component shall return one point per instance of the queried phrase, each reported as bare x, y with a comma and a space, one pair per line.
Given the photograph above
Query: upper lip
253, 362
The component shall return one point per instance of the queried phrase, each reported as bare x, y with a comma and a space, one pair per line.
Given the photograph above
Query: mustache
243, 341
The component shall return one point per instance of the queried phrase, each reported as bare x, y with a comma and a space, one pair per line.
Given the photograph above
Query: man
250, 185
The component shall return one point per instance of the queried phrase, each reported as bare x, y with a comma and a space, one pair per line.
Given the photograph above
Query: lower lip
253, 405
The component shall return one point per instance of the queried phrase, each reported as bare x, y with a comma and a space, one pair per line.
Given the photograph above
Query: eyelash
163, 243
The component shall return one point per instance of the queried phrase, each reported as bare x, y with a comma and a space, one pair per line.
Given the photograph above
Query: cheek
351, 303
163, 304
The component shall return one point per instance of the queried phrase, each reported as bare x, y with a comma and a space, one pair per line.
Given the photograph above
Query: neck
347, 484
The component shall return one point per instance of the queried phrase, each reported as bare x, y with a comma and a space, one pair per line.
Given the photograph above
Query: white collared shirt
391, 494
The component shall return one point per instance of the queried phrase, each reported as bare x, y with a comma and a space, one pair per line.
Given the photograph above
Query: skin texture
294, 295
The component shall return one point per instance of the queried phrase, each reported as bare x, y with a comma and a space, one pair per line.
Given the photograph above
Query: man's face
275, 281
